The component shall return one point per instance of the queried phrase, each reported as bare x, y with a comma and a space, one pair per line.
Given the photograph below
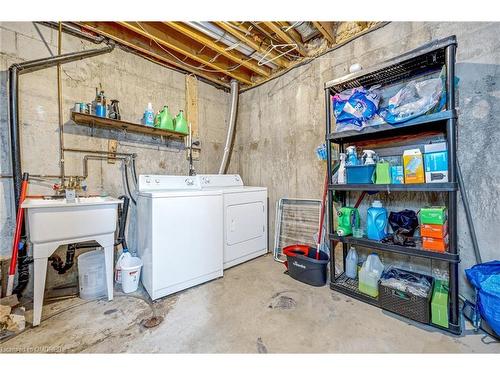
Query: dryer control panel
219, 180
168, 182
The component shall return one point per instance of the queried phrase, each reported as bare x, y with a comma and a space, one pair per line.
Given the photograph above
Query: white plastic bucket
131, 273
92, 275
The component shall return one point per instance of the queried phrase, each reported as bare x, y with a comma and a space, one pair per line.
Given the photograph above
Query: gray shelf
442, 186
404, 250
428, 57
434, 121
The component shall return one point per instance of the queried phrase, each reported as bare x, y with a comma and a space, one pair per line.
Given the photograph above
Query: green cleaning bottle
181, 125
166, 119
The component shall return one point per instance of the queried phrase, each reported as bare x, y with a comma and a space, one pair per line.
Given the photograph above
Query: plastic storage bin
92, 275
360, 174
403, 302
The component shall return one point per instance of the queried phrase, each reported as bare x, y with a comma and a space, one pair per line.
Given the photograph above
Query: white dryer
180, 233
245, 217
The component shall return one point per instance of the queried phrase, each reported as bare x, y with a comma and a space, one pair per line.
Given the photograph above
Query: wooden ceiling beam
233, 55
161, 37
325, 28
285, 37
230, 29
147, 49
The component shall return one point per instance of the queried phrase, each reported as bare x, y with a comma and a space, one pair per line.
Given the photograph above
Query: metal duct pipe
218, 34
232, 123
74, 31
27, 67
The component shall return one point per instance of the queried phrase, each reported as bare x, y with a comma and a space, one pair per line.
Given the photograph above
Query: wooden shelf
107, 123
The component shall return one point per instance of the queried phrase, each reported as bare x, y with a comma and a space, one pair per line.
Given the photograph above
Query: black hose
134, 171
125, 167
23, 271
122, 222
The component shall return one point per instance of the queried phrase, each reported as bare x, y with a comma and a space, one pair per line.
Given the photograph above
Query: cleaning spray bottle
342, 172
352, 157
368, 156
149, 115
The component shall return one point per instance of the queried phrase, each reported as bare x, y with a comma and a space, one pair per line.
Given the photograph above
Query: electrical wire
199, 67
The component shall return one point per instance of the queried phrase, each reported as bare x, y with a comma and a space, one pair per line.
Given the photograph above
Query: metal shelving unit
424, 60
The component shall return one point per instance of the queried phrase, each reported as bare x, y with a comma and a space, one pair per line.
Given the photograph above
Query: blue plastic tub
360, 174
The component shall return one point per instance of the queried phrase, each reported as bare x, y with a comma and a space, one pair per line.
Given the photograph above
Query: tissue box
433, 215
434, 230
397, 174
439, 303
413, 166
436, 163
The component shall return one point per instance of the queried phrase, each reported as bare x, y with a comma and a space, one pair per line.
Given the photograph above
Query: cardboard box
439, 303
434, 230
413, 164
397, 174
439, 245
433, 215
436, 162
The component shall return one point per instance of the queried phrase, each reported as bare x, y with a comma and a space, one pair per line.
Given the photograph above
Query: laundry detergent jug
351, 263
166, 119
370, 274
376, 222
348, 217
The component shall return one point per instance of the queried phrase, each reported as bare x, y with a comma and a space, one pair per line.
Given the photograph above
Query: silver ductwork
230, 128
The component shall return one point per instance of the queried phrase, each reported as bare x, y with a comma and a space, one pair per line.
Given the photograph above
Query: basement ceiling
250, 52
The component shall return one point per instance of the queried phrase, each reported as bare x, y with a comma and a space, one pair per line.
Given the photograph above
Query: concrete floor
255, 308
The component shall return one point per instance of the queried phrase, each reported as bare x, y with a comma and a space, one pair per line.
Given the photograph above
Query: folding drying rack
427, 59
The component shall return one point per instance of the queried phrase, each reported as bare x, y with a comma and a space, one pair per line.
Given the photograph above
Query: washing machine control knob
148, 181
157, 180
206, 180
189, 181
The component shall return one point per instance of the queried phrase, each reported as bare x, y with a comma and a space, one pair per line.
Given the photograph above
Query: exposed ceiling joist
144, 46
235, 56
325, 28
263, 50
166, 40
276, 29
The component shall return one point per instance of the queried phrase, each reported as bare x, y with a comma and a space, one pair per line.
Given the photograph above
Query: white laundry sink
55, 222
51, 220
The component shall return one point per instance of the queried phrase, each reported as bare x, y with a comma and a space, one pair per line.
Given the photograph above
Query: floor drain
152, 322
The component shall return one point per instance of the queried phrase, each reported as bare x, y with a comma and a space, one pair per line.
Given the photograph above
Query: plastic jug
370, 274
348, 217
124, 257
149, 115
166, 119
181, 125
351, 265
92, 275
376, 222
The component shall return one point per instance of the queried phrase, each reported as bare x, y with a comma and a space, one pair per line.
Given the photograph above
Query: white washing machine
180, 233
245, 217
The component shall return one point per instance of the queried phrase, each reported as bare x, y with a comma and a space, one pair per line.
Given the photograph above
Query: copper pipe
83, 151
59, 98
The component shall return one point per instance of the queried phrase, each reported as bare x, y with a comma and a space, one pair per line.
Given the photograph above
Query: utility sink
57, 219
55, 222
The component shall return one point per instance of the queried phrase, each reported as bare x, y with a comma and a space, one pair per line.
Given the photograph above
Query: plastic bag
406, 281
406, 219
353, 107
414, 99
485, 278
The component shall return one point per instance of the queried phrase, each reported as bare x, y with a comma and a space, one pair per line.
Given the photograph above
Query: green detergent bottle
181, 125
348, 217
166, 119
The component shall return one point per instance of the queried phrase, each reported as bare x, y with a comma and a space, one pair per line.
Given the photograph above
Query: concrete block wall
280, 123
133, 80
